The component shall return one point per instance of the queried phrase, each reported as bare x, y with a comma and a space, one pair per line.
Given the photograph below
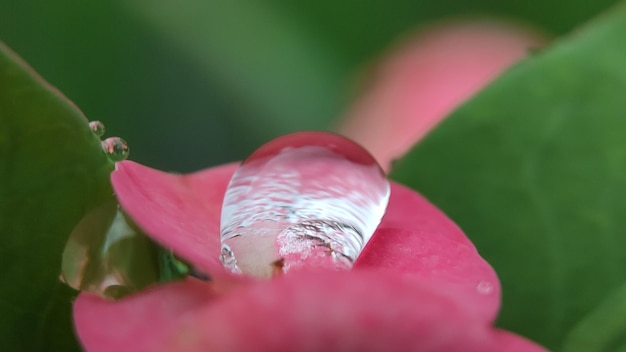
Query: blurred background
194, 83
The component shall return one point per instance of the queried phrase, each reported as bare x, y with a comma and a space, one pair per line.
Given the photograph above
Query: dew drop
484, 287
97, 127
116, 148
309, 199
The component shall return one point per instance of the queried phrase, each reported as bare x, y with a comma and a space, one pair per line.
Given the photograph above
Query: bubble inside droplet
97, 127
308, 199
116, 148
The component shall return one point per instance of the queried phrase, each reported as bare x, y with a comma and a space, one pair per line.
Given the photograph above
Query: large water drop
116, 148
309, 199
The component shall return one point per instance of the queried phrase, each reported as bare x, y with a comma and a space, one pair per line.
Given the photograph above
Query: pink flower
419, 284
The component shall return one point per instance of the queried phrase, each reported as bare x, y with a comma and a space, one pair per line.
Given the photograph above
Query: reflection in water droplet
484, 287
97, 127
116, 148
309, 199
116, 291
106, 255
227, 257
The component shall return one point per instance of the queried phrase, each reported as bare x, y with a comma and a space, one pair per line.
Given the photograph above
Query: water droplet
484, 287
106, 255
309, 199
227, 257
97, 127
116, 148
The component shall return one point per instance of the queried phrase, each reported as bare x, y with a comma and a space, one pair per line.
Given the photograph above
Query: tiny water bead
116, 148
309, 199
97, 127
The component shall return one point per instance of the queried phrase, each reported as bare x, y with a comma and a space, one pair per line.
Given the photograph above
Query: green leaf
533, 170
52, 171
280, 76
603, 329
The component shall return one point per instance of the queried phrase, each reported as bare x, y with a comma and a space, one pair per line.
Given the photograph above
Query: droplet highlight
116, 148
97, 127
305, 200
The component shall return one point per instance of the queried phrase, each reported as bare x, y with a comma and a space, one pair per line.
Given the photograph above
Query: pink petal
334, 311
425, 78
137, 322
419, 281
510, 342
415, 238
182, 212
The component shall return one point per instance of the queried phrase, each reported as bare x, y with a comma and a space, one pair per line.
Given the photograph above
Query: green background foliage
207, 82
532, 169
52, 170
529, 168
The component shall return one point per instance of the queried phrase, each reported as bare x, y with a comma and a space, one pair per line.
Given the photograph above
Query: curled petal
424, 78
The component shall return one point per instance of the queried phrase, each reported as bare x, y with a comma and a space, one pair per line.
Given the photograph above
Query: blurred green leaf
283, 78
148, 71
52, 171
533, 170
603, 329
